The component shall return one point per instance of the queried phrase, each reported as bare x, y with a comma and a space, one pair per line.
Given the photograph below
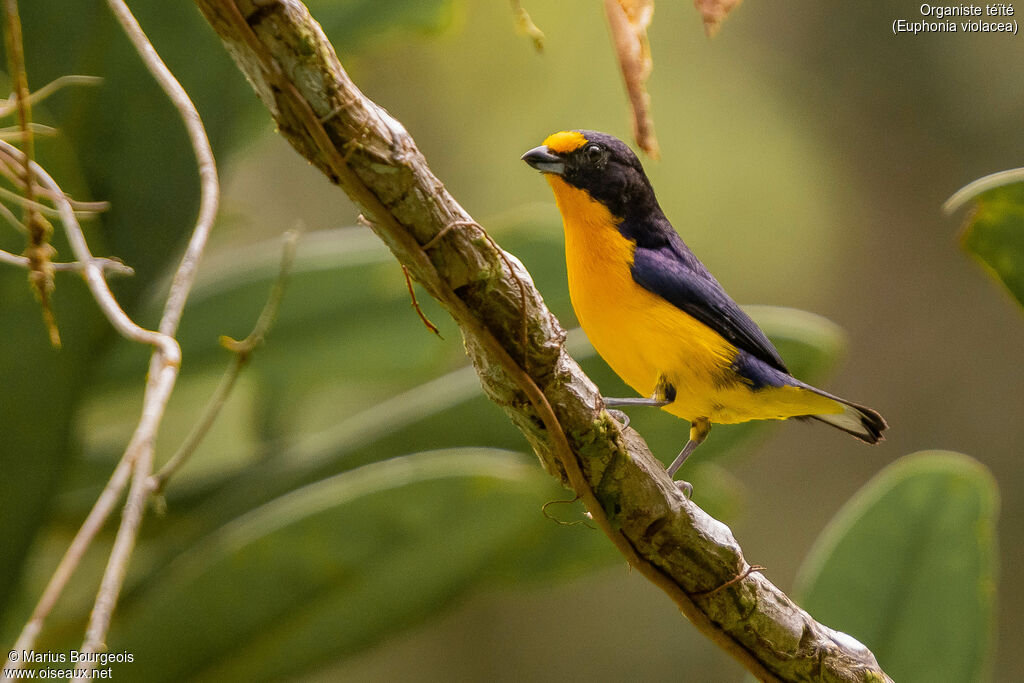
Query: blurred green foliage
994, 234
330, 569
908, 567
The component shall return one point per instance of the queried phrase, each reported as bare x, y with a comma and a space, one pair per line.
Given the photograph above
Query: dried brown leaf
628, 21
713, 12
526, 27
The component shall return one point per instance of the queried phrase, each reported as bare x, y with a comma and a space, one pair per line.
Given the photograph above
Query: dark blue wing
672, 272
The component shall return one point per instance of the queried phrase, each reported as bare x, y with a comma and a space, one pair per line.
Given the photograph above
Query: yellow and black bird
653, 311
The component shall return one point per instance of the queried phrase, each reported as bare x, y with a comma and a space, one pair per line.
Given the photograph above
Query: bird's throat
592, 238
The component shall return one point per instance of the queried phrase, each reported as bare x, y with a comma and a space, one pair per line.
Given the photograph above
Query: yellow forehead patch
565, 142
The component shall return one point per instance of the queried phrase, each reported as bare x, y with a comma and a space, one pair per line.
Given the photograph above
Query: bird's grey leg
619, 415
664, 393
653, 401
699, 431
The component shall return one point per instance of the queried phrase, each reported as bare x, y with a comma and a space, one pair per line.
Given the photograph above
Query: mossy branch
516, 347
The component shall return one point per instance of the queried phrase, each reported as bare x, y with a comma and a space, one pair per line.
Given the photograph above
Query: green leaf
330, 569
908, 567
994, 235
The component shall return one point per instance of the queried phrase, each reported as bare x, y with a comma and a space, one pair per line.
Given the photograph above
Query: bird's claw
619, 416
686, 487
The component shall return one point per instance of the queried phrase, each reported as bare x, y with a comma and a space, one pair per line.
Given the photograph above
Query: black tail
860, 421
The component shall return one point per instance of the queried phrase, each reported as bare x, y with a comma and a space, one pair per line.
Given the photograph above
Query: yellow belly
643, 337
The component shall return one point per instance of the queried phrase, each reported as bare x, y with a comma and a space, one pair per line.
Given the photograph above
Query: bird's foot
686, 487
619, 416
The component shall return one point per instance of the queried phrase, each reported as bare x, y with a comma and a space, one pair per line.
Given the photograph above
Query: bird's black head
600, 164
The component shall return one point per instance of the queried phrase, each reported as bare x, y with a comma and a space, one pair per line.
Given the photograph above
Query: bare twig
168, 349
92, 270
137, 461
80, 208
363, 220
108, 265
17, 134
243, 351
7, 169
140, 455
69, 562
416, 304
29, 204
181, 285
111, 266
53, 86
161, 373
733, 580
153, 406
83, 208
11, 219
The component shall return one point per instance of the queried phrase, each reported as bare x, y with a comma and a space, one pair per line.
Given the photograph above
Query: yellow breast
641, 336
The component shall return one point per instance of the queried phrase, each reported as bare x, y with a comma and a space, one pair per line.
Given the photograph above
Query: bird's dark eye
594, 153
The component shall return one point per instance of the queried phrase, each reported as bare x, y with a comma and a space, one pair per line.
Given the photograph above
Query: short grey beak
543, 160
